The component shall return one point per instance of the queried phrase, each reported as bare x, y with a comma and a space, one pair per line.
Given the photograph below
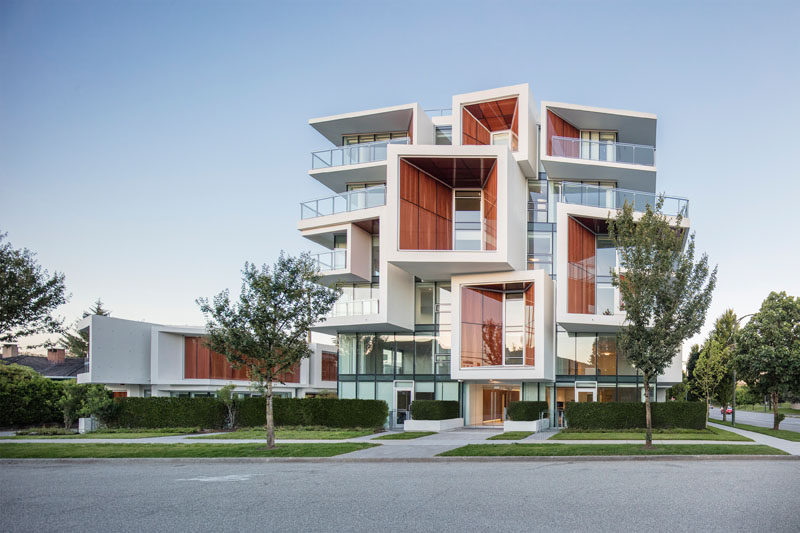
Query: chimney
10, 350
56, 355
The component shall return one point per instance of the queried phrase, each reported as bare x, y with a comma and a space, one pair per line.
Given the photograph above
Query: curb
346, 460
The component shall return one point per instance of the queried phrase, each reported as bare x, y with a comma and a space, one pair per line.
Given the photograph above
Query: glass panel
585, 344
554, 195
443, 300
540, 242
384, 353
347, 353
565, 360
467, 220
424, 303
366, 390
443, 342
444, 135
606, 394
606, 355
514, 321
368, 351
624, 368
424, 390
347, 389
606, 257
404, 354
385, 391
605, 299
448, 391
376, 256
627, 393
424, 354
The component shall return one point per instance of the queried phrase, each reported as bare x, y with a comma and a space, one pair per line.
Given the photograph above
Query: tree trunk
649, 437
270, 420
775, 421
707, 409
724, 411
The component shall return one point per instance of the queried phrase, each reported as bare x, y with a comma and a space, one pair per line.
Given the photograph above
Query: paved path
782, 444
792, 423
242, 496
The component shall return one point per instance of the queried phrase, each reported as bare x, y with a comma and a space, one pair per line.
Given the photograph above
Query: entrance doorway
402, 402
495, 403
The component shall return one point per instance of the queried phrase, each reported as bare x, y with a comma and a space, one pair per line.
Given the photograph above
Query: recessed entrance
488, 403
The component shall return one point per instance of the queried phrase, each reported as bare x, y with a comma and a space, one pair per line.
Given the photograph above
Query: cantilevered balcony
346, 202
607, 151
353, 154
331, 261
612, 198
345, 308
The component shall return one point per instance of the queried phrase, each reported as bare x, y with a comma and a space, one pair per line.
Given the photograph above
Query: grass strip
785, 434
199, 450
305, 434
406, 435
701, 434
512, 435
515, 449
134, 435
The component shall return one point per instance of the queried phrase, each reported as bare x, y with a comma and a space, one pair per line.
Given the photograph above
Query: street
168, 495
758, 419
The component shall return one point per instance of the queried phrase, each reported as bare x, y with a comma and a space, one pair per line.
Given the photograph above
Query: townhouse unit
471, 248
142, 359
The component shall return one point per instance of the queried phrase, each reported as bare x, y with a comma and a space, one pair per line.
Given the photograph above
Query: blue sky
147, 149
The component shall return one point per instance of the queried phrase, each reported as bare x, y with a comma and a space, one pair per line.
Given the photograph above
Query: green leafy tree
708, 371
77, 343
724, 333
27, 398
768, 350
71, 402
665, 292
29, 295
679, 391
266, 330
99, 402
225, 395
694, 354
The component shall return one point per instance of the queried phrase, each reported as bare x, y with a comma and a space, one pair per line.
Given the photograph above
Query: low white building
143, 359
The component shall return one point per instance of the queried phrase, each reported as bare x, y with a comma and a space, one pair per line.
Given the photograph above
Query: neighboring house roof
70, 368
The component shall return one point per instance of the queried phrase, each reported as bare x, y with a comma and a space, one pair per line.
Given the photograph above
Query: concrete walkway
788, 446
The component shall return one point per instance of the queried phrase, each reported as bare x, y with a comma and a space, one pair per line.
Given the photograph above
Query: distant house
55, 365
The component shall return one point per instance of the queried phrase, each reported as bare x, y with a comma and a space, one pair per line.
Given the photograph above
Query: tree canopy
666, 293
265, 331
29, 295
767, 352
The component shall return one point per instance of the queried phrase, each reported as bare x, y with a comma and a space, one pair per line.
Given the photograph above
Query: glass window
606, 355
467, 220
443, 342
553, 196
442, 364
376, 256
540, 242
606, 256
627, 393
585, 356
424, 354
606, 394
444, 134
605, 298
514, 322
565, 359
347, 389
366, 390
424, 390
384, 354
340, 241
443, 300
537, 201
424, 303
347, 353
404, 354
368, 352
447, 390
624, 368
384, 390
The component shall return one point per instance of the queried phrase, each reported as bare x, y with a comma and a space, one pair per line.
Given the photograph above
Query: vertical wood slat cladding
290, 376
190, 358
425, 221
529, 328
557, 126
472, 131
490, 211
202, 363
580, 269
515, 120
330, 369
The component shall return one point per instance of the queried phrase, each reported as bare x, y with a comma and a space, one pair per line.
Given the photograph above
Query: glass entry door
586, 392
402, 402
495, 403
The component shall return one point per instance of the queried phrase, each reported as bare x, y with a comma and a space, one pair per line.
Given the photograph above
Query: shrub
71, 401
328, 412
433, 410
100, 403
620, 415
526, 411
170, 412
27, 398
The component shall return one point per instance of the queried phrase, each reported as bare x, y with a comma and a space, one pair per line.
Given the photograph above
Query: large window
467, 220
589, 354
347, 353
444, 134
372, 137
514, 324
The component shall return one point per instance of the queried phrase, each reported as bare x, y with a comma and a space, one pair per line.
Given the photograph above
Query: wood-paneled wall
490, 211
330, 366
426, 211
472, 131
557, 126
580, 269
529, 328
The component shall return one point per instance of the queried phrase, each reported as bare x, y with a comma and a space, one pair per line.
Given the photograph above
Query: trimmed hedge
210, 413
621, 415
526, 411
434, 409
329, 412
27, 398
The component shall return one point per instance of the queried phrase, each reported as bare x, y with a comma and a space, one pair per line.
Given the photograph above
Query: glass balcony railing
355, 308
353, 154
333, 260
345, 202
440, 112
611, 198
612, 152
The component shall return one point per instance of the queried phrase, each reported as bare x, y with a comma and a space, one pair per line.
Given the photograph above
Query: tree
78, 344
708, 371
225, 395
724, 332
99, 403
665, 293
71, 402
28, 294
694, 354
265, 331
768, 350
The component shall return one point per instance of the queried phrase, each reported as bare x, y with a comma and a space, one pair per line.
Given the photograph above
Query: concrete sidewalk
781, 444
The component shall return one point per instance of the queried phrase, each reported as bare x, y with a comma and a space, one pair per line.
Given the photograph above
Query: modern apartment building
142, 359
471, 248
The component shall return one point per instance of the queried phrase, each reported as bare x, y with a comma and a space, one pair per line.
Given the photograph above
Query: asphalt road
577, 496
758, 419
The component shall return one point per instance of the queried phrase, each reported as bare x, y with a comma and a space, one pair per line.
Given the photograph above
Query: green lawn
406, 435
115, 433
515, 449
664, 434
781, 433
292, 433
512, 435
199, 450
784, 408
